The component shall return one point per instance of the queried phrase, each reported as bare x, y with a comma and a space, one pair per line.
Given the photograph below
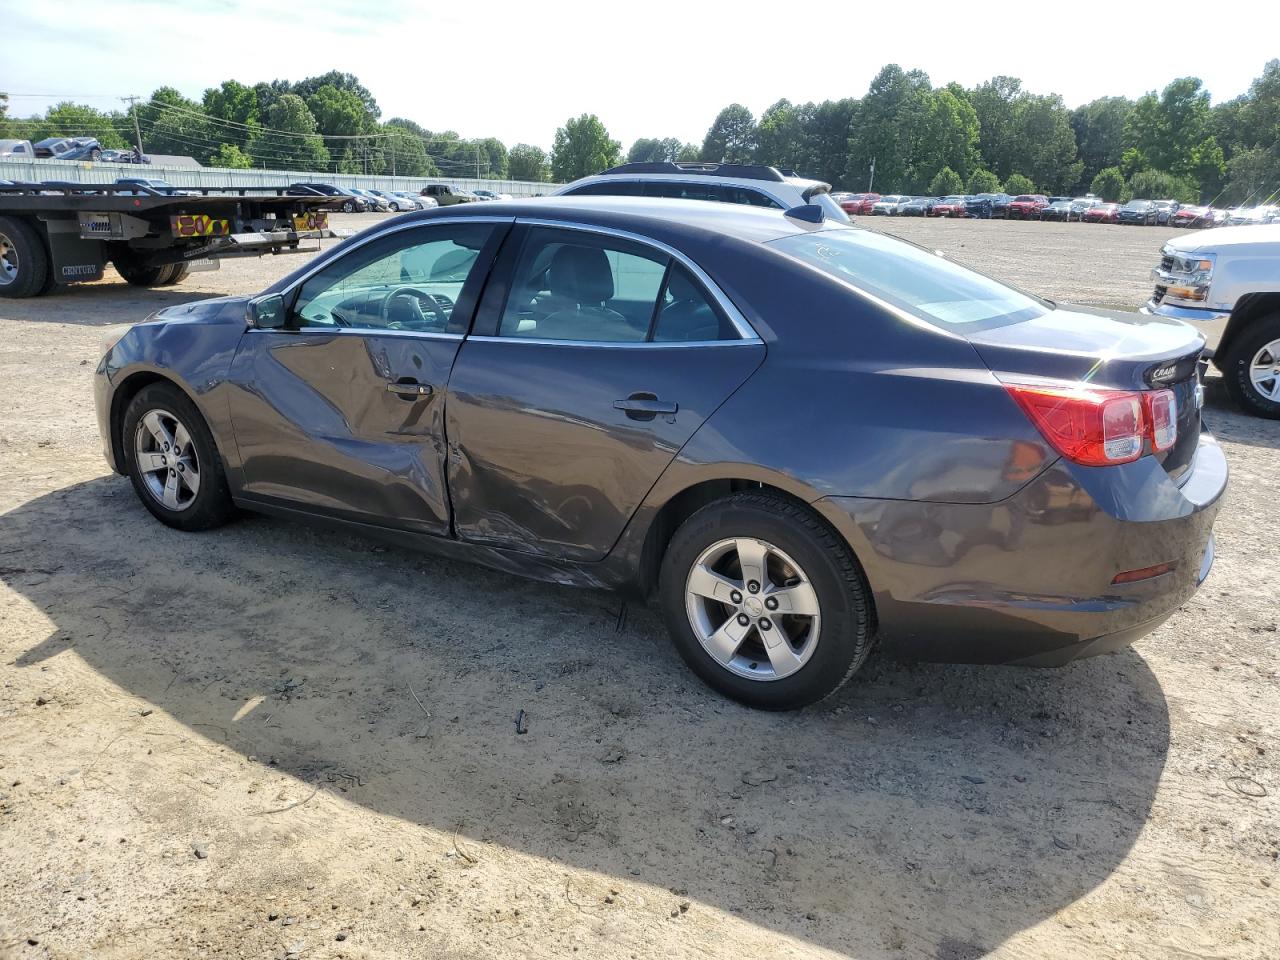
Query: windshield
911, 278
1136, 205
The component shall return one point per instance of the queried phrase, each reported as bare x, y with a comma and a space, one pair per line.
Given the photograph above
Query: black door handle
645, 406
409, 389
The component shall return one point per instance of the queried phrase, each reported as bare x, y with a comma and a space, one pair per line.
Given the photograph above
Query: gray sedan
794, 437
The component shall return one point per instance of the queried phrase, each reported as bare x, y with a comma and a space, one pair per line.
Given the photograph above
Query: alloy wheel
753, 608
1264, 371
167, 459
8, 261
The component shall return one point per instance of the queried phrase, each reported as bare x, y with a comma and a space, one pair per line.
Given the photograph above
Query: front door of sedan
592, 361
341, 410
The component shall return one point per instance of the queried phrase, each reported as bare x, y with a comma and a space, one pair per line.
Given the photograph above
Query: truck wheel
1251, 368
24, 262
140, 276
178, 273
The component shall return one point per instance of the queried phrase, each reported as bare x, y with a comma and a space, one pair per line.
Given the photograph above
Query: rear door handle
645, 406
410, 391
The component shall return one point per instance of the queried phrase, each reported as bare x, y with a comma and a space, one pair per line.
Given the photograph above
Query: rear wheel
172, 461
139, 275
24, 262
765, 602
178, 273
1251, 368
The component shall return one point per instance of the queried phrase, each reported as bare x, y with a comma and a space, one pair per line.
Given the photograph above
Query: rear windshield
924, 284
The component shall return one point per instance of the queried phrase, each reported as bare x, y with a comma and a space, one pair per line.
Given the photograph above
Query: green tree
1253, 175
1110, 184
339, 113
1160, 185
237, 106
582, 147
945, 183
995, 103
689, 153
1166, 128
1046, 142
983, 181
779, 136
732, 137
288, 139
525, 162
493, 157
949, 137
1018, 184
1099, 129
826, 130
347, 82
232, 157
648, 149
889, 129
173, 124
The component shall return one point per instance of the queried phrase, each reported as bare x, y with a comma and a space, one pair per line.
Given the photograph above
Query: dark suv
351, 202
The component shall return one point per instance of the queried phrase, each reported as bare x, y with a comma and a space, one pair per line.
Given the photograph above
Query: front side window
575, 286
924, 284
408, 280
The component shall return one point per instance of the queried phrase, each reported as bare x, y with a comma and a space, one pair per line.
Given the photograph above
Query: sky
517, 71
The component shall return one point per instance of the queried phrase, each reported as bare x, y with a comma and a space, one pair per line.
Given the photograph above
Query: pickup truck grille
1166, 262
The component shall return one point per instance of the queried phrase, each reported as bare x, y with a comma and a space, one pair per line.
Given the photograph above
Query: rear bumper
1029, 580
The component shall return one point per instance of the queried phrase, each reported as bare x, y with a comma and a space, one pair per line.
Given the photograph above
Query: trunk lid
1122, 351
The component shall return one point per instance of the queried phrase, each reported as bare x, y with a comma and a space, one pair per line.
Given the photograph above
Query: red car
1101, 213
858, 203
1027, 206
948, 207
1191, 216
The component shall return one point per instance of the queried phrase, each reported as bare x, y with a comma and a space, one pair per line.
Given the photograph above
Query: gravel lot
270, 742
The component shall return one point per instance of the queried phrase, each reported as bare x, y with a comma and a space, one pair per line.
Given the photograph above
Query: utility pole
872, 180
137, 132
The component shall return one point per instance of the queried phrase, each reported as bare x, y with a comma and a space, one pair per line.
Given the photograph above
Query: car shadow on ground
1229, 423
928, 810
108, 301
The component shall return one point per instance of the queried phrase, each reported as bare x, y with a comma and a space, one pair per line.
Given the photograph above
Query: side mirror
267, 313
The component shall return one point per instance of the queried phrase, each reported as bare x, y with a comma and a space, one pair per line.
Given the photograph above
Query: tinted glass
405, 281
686, 313
569, 285
685, 191
607, 188
911, 278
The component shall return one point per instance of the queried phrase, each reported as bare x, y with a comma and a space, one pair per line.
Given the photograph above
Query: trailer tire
143, 276
178, 274
24, 261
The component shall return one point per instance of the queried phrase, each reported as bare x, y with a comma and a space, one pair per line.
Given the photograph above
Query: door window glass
575, 286
404, 281
686, 314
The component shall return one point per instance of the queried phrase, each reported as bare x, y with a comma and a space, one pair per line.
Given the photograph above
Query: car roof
648, 216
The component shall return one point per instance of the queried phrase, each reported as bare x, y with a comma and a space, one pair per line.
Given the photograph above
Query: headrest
580, 274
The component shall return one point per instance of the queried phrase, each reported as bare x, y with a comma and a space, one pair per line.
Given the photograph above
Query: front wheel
172, 461
1251, 368
765, 602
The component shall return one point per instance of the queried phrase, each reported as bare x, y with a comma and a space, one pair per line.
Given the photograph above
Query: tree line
903, 136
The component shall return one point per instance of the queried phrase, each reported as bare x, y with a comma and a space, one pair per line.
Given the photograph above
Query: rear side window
607, 188
924, 284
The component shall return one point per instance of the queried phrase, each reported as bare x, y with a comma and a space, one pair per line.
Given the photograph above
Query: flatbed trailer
57, 233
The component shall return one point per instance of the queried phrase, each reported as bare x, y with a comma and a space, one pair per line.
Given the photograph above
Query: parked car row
1037, 206
361, 200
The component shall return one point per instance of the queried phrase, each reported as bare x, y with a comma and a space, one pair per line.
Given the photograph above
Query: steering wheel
439, 305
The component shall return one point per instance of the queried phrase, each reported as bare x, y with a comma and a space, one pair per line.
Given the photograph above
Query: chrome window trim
745, 331
627, 344
360, 331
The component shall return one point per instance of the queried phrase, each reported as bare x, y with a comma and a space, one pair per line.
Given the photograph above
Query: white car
396, 202
888, 206
750, 184
1226, 283
490, 195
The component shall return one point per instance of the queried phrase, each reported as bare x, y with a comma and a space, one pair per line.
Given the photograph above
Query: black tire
1238, 358
33, 268
211, 506
348, 207
178, 273
844, 599
140, 276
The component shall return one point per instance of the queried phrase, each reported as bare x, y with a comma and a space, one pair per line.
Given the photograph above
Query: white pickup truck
1226, 282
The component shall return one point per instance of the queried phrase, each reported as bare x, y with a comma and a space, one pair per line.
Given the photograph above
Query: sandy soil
271, 742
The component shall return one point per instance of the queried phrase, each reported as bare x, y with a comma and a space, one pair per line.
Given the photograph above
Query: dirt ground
271, 742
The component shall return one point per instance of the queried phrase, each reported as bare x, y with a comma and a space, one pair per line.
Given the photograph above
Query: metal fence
76, 171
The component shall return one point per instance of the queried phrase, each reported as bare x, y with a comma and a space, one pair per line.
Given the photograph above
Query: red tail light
1095, 428
1161, 409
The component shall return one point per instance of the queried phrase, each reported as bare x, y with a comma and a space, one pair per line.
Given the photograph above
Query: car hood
213, 310
1259, 235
